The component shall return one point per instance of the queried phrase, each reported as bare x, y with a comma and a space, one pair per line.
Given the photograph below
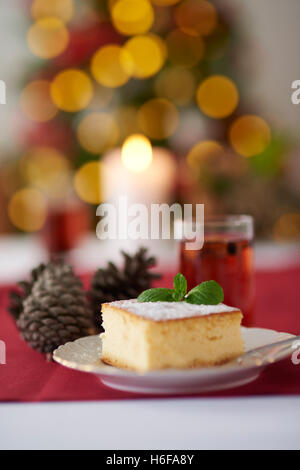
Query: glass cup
66, 224
226, 257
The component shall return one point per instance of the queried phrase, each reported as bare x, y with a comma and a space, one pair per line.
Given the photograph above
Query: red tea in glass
226, 257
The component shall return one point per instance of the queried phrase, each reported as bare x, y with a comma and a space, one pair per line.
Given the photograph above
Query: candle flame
137, 153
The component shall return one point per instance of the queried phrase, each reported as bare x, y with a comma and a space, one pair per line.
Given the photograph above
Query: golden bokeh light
132, 17
202, 151
146, 55
137, 153
97, 132
108, 66
250, 135
46, 168
287, 227
158, 118
71, 90
48, 37
36, 102
27, 210
87, 182
126, 117
217, 96
177, 85
184, 50
164, 3
62, 9
196, 17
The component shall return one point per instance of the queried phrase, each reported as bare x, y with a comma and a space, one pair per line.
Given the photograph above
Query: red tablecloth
28, 377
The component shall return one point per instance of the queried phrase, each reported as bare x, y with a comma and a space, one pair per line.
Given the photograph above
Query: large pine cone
111, 283
56, 311
18, 295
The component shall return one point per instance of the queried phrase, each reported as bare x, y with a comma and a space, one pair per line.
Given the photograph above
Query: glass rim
220, 220
230, 219
242, 225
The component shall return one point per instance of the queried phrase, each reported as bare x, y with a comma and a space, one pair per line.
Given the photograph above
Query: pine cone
111, 284
56, 311
17, 296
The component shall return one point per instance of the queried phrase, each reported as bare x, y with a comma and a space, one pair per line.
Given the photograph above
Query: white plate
84, 354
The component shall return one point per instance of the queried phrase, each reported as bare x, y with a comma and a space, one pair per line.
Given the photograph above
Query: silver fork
270, 353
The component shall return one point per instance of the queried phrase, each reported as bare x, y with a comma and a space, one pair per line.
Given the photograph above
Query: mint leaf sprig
206, 293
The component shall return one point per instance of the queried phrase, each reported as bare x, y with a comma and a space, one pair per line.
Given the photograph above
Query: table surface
239, 423
186, 423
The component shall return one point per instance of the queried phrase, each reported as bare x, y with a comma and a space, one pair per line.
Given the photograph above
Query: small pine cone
111, 283
56, 311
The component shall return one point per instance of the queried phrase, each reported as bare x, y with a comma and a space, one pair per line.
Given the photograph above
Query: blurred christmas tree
106, 69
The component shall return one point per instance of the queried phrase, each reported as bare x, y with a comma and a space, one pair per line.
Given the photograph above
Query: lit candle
137, 174
142, 174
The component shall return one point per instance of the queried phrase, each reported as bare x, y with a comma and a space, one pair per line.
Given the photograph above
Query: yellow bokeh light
250, 135
137, 153
71, 90
183, 49
27, 210
126, 117
202, 151
48, 37
287, 227
164, 3
196, 17
158, 118
209, 160
108, 66
98, 132
62, 9
87, 182
36, 102
177, 85
146, 55
132, 17
217, 96
47, 169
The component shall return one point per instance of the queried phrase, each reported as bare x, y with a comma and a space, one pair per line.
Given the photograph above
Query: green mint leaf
156, 295
207, 293
176, 297
180, 287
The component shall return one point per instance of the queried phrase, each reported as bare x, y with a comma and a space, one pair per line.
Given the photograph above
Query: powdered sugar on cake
163, 311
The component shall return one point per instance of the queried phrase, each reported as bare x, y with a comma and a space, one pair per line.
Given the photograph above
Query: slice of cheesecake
159, 335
